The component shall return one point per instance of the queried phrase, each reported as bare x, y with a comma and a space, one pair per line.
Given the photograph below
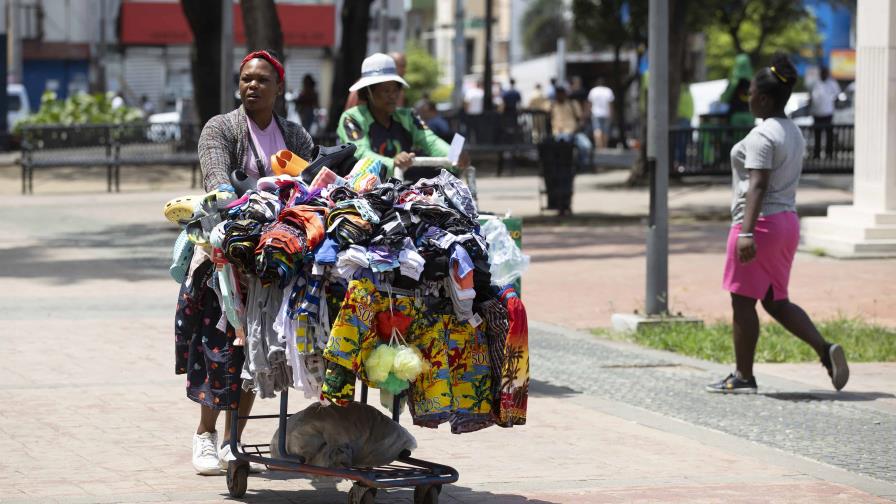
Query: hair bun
784, 70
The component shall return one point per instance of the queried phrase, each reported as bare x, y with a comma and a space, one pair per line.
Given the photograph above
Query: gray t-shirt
777, 145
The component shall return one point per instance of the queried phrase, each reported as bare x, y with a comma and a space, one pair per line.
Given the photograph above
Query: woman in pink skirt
766, 167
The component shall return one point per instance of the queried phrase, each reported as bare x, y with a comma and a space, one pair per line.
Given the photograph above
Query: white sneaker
205, 457
225, 455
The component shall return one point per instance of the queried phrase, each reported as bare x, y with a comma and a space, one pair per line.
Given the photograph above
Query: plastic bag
506, 261
355, 435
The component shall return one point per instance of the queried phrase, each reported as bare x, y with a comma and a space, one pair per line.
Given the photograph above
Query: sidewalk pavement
93, 412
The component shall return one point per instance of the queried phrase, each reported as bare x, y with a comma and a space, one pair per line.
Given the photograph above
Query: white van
17, 105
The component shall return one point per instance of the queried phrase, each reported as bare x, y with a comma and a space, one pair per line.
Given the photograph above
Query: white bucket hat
376, 68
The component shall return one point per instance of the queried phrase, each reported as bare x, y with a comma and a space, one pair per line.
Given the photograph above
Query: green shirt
407, 133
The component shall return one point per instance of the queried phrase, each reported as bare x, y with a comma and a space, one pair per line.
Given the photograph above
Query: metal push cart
427, 478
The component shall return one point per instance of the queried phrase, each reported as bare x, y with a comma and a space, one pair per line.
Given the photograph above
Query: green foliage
422, 73
442, 93
80, 108
602, 25
759, 28
863, 341
720, 52
542, 25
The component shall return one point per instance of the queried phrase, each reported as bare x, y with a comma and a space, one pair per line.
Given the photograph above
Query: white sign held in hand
457, 145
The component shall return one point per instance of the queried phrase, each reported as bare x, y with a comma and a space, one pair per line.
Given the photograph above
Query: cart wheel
361, 495
237, 476
427, 494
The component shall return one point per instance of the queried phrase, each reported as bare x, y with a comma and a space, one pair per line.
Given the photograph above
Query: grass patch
862, 341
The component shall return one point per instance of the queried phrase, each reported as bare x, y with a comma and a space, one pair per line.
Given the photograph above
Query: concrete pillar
867, 228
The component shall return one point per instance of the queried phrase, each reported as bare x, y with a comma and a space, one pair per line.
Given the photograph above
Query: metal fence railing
707, 150
107, 145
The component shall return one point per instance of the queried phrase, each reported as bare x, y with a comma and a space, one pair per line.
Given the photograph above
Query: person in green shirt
382, 130
737, 94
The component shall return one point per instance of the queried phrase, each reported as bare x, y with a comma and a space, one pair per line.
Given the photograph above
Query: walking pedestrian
824, 94
473, 99
601, 97
242, 139
307, 101
766, 167
511, 98
538, 100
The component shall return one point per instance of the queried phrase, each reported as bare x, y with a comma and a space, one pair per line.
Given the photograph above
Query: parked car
17, 105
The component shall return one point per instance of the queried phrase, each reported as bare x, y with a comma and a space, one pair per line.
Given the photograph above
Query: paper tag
457, 145
475, 320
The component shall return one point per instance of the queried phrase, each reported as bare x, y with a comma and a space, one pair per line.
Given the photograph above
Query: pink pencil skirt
776, 237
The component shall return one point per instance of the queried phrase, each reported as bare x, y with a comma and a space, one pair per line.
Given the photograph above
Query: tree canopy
760, 30
799, 37
543, 24
422, 72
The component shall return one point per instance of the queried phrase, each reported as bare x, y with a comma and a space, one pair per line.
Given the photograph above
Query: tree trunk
262, 26
677, 44
204, 19
678, 41
355, 17
619, 87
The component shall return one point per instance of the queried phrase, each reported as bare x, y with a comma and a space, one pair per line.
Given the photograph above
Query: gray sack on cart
344, 436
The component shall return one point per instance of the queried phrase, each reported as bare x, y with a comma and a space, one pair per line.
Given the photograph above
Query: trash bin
558, 171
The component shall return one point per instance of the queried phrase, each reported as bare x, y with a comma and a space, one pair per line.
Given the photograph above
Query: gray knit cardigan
224, 142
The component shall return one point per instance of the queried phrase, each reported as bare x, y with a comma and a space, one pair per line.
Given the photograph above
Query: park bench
110, 146
508, 135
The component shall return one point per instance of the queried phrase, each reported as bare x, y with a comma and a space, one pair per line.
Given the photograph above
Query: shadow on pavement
849, 396
327, 492
544, 389
122, 252
546, 244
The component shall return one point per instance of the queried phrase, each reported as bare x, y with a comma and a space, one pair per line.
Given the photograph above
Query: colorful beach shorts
456, 388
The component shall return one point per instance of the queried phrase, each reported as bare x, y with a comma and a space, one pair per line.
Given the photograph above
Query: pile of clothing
367, 279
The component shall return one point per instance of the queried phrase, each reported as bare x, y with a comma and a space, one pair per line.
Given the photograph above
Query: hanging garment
265, 370
514, 391
497, 325
203, 352
457, 386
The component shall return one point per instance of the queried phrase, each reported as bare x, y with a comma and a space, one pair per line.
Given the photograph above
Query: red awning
163, 23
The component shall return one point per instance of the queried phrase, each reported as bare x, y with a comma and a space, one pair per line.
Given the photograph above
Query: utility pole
14, 42
657, 297
561, 61
460, 56
101, 51
384, 26
226, 103
487, 103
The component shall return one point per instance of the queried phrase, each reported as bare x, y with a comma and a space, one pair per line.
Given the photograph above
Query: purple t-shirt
268, 141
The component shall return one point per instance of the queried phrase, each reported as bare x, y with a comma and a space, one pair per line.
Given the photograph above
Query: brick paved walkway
93, 413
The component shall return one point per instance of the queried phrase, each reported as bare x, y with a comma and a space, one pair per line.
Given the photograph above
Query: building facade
142, 47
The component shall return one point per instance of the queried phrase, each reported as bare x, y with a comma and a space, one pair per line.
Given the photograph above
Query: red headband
267, 57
